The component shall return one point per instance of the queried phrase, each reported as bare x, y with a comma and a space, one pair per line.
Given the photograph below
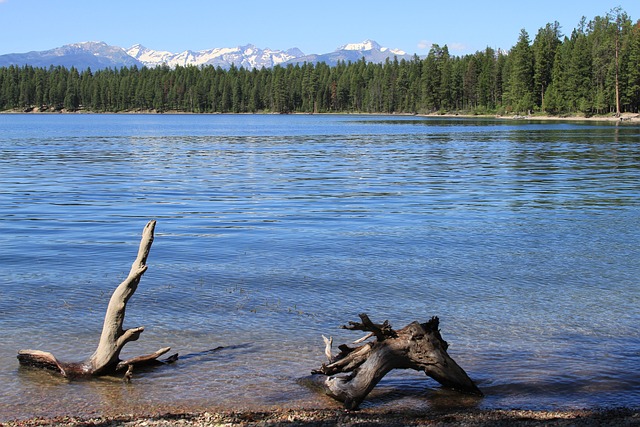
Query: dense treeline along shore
595, 70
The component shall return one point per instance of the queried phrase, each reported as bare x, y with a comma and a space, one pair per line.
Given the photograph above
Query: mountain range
99, 55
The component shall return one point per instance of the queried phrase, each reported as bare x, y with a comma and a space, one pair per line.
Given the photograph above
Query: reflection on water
521, 236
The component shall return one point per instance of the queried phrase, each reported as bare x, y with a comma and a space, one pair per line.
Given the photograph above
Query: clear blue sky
312, 26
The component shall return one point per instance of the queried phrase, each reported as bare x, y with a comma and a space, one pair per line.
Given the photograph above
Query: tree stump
417, 346
106, 358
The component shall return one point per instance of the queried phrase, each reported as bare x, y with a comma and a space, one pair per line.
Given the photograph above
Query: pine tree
520, 78
72, 95
579, 93
621, 27
486, 78
632, 70
556, 94
470, 83
544, 47
431, 79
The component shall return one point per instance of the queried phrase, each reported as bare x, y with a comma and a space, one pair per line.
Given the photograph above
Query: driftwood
417, 346
106, 358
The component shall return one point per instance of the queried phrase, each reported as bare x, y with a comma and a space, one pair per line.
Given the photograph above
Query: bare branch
106, 358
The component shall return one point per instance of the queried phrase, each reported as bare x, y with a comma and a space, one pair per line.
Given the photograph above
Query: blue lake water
522, 236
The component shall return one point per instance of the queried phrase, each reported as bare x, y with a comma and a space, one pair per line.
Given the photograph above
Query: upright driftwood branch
106, 358
417, 346
113, 337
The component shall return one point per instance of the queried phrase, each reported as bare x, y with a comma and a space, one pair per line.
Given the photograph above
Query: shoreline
624, 117
365, 417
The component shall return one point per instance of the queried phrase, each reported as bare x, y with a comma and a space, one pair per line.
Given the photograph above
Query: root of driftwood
106, 358
354, 372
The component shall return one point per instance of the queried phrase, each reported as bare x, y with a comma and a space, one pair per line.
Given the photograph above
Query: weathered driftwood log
417, 346
106, 358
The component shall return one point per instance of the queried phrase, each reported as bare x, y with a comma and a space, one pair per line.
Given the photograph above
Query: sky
312, 26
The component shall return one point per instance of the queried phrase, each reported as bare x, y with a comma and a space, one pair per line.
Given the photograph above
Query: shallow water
273, 230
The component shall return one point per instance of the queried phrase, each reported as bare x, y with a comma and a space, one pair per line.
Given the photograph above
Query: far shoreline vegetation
624, 117
592, 73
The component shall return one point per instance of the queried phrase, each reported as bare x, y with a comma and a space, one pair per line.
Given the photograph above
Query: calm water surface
523, 237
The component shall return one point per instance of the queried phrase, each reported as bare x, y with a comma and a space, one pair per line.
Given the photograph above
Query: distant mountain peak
365, 45
248, 56
83, 55
370, 46
89, 44
98, 55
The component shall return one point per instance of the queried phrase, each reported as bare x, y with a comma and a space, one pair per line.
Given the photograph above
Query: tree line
594, 70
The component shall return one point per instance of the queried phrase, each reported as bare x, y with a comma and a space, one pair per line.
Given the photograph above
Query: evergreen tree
72, 96
486, 78
544, 47
621, 28
632, 70
556, 94
520, 78
579, 93
431, 79
470, 84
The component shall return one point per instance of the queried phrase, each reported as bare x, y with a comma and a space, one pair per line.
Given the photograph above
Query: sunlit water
523, 237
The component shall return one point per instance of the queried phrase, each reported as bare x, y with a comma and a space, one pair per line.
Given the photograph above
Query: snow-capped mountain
370, 45
99, 55
248, 56
368, 49
94, 55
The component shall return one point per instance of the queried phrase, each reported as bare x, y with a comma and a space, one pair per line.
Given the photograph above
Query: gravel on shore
327, 417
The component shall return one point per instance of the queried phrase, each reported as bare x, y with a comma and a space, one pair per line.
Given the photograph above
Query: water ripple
521, 237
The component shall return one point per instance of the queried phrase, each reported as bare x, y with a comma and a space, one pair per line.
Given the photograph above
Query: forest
595, 70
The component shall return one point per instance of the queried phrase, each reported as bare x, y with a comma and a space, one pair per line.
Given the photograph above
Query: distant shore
366, 417
625, 117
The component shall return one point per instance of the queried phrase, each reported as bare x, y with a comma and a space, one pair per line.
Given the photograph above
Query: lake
521, 236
